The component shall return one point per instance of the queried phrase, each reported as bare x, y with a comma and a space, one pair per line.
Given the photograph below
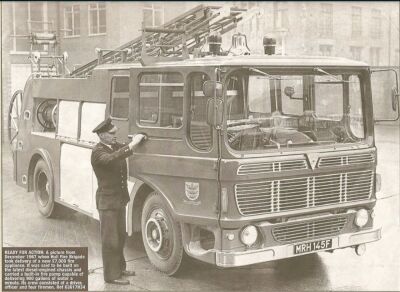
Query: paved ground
378, 269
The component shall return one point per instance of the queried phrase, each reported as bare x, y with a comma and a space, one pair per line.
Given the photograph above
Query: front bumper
242, 258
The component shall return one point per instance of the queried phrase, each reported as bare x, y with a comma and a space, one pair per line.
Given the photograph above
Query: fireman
109, 165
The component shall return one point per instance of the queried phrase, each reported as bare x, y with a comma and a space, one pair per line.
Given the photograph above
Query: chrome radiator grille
296, 232
346, 160
254, 198
265, 167
305, 192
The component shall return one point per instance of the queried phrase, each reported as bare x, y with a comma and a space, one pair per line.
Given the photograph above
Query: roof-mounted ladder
175, 40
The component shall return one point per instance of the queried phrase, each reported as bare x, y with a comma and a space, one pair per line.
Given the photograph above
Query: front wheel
161, 235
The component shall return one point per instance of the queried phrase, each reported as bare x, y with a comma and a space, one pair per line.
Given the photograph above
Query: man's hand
136, 140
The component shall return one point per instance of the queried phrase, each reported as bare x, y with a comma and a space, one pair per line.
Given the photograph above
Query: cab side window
120, 97
200, 132
161, 100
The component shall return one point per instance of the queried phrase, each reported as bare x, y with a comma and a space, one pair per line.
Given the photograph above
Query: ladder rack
175, 40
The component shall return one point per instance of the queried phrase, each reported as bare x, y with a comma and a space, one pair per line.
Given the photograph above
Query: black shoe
128, 273
119, 282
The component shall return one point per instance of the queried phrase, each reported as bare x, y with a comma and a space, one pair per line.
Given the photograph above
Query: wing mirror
385, 84
213, 90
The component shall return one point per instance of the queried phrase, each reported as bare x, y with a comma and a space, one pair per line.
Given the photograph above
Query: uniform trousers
113, 232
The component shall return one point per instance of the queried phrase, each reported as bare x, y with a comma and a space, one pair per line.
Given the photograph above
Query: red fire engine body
248, 158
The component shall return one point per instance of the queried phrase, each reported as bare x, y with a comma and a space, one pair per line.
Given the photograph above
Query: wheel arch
10, 106
141, 190
38, 154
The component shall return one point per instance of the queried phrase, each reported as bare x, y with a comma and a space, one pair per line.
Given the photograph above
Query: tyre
44, 190
162, 236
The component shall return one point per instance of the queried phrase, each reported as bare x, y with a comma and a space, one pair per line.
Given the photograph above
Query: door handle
145, 136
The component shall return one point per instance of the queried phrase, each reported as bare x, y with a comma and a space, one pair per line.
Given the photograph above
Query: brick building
366, 31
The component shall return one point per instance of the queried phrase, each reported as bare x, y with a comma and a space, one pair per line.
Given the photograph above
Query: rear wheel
44, 190
162, 236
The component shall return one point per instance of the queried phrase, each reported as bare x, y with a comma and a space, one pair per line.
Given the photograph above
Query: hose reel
46, 114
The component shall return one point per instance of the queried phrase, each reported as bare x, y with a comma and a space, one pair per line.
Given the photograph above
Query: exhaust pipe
360, 249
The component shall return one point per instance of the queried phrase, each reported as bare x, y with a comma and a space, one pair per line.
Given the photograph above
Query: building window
153, 14
281, 19
356, 53
374, 54
356, 21
376, 24
28, 17
253, 28
72, 21
326, 21
97, 18
325, 50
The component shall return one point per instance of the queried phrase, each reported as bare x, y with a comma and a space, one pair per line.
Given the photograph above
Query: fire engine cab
249, 158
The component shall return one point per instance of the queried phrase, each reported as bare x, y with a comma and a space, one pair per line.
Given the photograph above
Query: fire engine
249, 158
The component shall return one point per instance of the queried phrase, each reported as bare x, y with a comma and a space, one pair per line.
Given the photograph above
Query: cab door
119, 103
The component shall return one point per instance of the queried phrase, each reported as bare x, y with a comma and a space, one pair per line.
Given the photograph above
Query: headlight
249, 235
361, 218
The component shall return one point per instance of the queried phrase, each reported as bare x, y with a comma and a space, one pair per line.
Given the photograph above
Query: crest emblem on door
192, 190
313, 159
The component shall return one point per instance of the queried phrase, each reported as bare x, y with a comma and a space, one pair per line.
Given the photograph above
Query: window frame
14, 50
147, 124
189, 116
326, 48
356, 22
368, 128
374, 56
72, 11
281, 16
376, 24
326, 20
153, 9
111, 96
356, 50
97, 10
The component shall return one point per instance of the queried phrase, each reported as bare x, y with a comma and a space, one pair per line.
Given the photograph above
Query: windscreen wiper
264, 74
329, 74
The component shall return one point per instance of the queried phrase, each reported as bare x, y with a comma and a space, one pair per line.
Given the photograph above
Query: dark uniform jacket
110, 168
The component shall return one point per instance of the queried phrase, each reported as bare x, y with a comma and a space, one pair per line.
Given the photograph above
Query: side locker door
119, 102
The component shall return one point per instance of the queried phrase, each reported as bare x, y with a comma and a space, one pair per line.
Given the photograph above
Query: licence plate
312, 246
